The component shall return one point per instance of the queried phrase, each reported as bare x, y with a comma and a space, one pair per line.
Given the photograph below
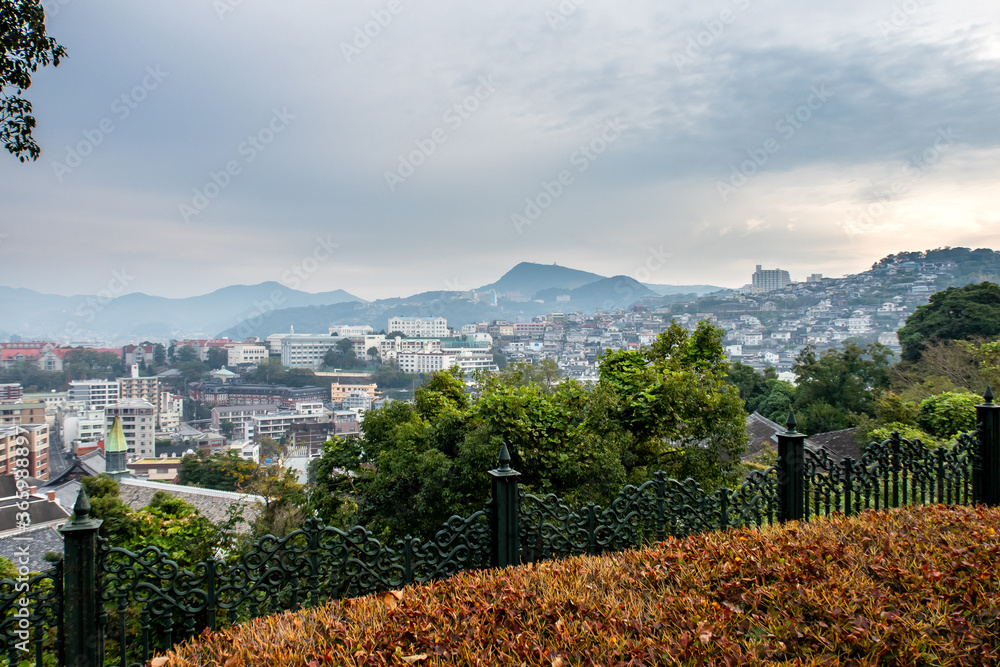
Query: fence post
988, 416
82, 596
791, 473
504, 511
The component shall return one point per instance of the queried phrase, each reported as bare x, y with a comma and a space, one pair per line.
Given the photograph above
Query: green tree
957, 313
670, 407
342, 355
185, 353
269, 448
389, 376
283, 497
523, 373
105, 503
833, 385
268, 371
25, 47
421, 462
948, 414
193, 370
332, 476
159, 354
217, 357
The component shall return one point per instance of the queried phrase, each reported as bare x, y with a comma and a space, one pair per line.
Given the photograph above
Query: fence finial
81, 510
988, 395
504, 457
790, 421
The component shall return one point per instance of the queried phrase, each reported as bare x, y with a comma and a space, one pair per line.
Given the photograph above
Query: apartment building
146, 388
138, 421
139, 354
22, 413
768, 280
305, 350
53, 400
391, 348
10, 392
426, 362
245, 353
241, 417
25, 447
276, 424
95, 393
235, 393
351, 330
85, 426
419, 327
338, 391
358, 399
169, 411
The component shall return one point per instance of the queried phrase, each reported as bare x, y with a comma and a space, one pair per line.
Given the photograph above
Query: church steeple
116, 451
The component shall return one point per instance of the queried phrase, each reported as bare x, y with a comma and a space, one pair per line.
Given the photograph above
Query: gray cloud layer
282, 121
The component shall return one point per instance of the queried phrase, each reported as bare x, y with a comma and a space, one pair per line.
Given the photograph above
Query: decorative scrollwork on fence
462, 544
755, 503
640, 515
891, 473
31, 615
151, 602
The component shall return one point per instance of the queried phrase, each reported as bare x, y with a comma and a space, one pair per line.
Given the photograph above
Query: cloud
754, 66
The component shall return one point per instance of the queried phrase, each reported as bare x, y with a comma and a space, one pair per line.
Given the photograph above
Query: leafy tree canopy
957, 313
421, 462
836, 384
24, 47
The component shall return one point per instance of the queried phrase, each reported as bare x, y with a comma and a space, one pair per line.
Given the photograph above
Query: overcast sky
387, 148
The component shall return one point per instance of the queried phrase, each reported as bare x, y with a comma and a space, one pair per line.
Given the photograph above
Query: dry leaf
159, 662
391, 599
410, 659
559, 662
233, 660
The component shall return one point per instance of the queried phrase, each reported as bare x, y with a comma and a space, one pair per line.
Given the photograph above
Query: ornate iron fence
151, 603
104, 604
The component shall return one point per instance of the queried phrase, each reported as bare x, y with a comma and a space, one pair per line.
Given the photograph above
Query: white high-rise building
245, 353
351, 330
419, 327
96, 394
768, 280
305, 350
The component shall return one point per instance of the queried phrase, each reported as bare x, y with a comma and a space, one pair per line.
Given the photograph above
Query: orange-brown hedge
917, 586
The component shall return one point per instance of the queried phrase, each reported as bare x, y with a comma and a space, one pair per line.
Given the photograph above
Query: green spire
116, 451
115, 442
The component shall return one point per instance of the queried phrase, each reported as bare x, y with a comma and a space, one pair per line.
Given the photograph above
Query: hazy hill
698, 290
604, 294
529, 278
30, 314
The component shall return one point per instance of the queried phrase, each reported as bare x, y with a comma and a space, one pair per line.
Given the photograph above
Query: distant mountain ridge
238, 311
528, 278
30, 314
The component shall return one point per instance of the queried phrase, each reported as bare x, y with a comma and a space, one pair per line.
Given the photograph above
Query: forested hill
957, 266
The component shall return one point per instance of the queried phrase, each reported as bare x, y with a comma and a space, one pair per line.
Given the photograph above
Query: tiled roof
838, 444
213, 504
763, 434
40, 510
8, 485
36, 541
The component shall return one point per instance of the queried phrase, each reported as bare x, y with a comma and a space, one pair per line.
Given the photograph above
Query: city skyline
388, 149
